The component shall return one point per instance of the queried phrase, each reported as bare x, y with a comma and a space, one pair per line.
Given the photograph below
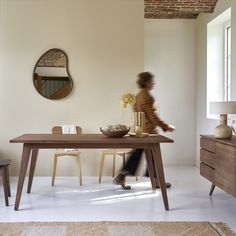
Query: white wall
170, 55
104, 42
204, 125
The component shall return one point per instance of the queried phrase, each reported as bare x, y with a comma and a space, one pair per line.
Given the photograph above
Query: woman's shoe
126, 187
168, 185
120, 180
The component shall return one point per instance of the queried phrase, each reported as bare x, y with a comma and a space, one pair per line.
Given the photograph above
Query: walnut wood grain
229, 142
34, 156
156, 153
150, 167
225, 176
90, 141
221, 155
207, 172
208, 144
83, 140
23, 167
208, 158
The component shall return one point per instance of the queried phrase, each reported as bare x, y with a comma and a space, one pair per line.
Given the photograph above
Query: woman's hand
170, 128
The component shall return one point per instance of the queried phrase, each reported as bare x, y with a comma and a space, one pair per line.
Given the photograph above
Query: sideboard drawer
225, 168
208, 145
207, 172
207, 157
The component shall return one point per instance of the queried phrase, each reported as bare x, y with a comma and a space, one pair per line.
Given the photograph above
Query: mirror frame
67, 70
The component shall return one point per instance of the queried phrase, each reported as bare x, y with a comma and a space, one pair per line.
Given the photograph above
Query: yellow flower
127, 98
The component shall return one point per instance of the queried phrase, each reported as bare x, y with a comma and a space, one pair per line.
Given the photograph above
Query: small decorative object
127, 99
223, 108
139, 121
115, 131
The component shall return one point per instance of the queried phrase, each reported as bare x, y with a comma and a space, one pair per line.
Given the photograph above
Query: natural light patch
125, 197
219, 60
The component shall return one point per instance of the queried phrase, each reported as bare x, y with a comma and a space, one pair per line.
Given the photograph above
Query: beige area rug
106, 228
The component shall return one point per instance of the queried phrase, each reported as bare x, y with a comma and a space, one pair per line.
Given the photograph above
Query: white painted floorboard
67, 201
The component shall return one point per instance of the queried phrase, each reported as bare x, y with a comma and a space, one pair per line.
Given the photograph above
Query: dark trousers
132, 164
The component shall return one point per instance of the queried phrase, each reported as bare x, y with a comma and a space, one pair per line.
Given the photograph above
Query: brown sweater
145, 103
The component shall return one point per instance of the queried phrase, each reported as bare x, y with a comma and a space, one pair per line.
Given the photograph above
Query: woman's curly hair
144, 78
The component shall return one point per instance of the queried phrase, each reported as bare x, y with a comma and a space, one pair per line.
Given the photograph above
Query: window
227, 67
219, 59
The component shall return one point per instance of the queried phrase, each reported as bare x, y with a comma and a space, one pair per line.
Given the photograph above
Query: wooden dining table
33, 142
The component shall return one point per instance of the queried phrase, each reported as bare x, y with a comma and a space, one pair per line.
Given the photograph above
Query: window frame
227, 60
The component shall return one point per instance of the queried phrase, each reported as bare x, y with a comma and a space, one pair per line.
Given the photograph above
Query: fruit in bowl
115, 131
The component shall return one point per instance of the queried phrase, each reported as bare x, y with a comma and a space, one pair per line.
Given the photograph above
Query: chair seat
67, 152
4, 163
116, 151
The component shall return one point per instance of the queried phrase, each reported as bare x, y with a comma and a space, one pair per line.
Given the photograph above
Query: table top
87, 138
82, 138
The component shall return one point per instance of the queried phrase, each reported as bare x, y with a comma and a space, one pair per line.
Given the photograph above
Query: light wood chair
114, 153
64, 152
5, 179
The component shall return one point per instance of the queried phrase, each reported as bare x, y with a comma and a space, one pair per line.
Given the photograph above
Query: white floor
67, 201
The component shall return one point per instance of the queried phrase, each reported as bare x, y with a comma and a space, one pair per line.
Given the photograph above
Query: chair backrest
58, 130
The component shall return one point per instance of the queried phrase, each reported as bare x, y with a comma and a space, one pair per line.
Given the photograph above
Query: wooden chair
114, 153
64, 152
5, 179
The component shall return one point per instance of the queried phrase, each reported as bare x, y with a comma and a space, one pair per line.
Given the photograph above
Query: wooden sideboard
218, 162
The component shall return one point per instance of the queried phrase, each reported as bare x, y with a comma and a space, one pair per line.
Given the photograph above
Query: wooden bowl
114, 134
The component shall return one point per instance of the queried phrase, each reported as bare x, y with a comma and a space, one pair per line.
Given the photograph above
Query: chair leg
79, 168
5, 185
101, 167
54, 169
8, 181
114, 165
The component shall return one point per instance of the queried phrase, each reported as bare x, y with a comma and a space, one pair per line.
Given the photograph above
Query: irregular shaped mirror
51, 75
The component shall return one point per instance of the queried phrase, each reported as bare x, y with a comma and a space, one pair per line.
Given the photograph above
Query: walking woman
144, 103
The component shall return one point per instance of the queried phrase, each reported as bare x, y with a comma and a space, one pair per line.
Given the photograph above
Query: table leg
34, 156
148, 154
156, 152
23, 167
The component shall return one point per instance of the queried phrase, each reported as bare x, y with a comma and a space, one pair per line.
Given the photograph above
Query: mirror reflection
51, 76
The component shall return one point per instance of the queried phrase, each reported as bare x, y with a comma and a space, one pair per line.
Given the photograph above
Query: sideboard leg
212, 189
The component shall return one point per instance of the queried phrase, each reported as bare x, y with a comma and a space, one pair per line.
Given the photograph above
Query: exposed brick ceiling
183, 9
